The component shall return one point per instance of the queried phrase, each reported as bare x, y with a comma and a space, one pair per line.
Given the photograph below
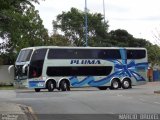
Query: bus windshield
24, 55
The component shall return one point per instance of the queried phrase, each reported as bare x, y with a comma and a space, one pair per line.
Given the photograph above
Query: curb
157, 92
28, 112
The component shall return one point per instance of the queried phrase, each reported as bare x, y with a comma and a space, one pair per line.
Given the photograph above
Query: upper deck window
136, 54
24, 55
39, 54
84, 54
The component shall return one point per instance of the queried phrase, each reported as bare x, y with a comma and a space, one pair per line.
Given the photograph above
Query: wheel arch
114, 79
128, 78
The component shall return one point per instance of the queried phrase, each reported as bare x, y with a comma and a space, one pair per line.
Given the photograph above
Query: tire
37, 89
126, 84
64, 86
50, 86
115, 84
102, 88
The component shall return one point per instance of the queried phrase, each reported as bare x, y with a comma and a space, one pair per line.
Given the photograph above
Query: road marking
111, 113
119, 95
130, 97
142, 100
157, 103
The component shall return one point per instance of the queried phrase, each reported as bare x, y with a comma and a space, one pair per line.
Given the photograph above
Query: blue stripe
122, 69
36, 84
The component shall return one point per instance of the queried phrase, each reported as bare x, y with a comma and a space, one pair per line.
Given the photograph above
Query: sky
141, 18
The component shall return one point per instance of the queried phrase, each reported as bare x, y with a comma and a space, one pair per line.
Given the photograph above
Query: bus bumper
36, 84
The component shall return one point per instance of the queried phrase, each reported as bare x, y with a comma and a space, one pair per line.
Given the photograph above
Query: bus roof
70, 47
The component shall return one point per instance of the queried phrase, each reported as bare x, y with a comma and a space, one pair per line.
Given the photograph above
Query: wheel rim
115, 84
126, 84
65, 85
52, 86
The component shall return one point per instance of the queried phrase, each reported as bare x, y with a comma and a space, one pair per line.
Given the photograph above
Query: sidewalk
12, 111
156, 84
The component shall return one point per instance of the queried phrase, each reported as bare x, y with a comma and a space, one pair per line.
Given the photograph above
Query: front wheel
50, 86
37, 89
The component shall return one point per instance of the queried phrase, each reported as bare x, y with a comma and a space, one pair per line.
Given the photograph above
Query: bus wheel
50, 86
126, 83
115, 84
37, 89
64, 86
102, 88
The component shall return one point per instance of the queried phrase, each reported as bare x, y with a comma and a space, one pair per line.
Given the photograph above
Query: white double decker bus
50, 67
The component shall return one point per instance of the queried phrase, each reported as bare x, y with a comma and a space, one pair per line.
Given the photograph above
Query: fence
153, 74
5, 77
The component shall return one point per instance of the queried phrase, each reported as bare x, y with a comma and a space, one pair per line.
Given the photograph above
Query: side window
60, 54
84, 54
136, 54
109, 54
39, 54
79, 71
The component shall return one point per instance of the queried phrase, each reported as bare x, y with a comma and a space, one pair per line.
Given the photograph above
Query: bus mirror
24, 68
9, 68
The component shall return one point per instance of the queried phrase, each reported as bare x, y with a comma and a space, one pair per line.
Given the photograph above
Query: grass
7, 87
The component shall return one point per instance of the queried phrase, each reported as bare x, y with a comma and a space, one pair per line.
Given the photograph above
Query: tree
138, 42
120, 38
153, 54
9, 8
31, 31
20, 26
58, 40
71, 23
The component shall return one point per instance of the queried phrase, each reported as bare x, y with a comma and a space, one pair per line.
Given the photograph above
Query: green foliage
31, 32
20, 26
1, 60
58, 40
153, 54
120, 38
7, 58
71, 23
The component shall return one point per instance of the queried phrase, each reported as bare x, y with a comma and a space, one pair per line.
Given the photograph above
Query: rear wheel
102, 88
115, 84
64, 85
50, 86
37, 89
126, 83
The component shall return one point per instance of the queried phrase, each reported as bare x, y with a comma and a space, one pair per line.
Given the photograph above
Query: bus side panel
93, 81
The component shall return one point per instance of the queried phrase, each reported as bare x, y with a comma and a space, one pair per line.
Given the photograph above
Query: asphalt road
88, 103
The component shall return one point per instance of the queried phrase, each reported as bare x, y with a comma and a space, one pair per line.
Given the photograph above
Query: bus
62, 68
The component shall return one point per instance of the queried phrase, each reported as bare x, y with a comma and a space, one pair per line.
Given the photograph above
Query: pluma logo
85, 62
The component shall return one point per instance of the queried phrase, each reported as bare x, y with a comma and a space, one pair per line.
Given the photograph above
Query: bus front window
22, 60
24, 55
